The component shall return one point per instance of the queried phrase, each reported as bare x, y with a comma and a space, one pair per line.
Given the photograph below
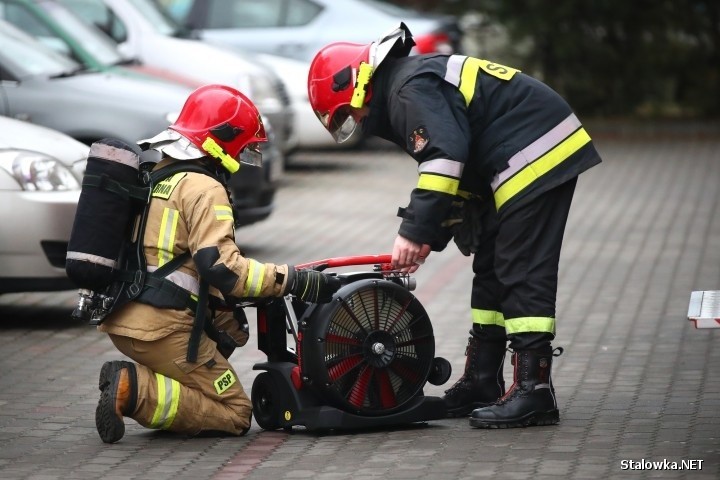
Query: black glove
312, 286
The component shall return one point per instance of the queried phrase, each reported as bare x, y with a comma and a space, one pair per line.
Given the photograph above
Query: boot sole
110, 427
533, 419
107, 372
464, 411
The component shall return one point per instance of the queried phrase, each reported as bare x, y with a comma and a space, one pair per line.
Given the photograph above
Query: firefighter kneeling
182, 380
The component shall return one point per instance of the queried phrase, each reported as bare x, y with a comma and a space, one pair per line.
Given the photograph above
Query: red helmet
339, 79
223, 123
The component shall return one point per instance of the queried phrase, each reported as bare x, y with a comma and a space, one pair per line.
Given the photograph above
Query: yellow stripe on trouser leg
488, 317
530, 324
167, 402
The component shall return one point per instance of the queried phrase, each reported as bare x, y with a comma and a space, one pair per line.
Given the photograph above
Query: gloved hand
312, 286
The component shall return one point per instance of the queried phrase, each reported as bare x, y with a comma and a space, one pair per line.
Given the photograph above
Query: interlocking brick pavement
636, 381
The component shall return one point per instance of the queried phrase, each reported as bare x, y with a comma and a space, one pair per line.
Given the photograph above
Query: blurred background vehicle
44, 87
57, 27
299, 28
40, 173
143, 31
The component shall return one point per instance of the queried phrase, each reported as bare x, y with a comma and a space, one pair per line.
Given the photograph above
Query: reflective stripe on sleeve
530, 324
438, 183
167, 402
255, 276
443, 166
223, 212
488, 317
537, 159
166, 239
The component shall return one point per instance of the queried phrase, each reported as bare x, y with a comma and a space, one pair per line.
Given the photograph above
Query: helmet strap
216, 151
365, 71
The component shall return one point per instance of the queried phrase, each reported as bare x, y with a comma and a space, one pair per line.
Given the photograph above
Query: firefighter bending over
498, 156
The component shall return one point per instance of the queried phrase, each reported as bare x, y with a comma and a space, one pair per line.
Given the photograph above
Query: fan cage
376, 348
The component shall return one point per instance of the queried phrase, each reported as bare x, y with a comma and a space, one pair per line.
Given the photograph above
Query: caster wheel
440, 371
265, 397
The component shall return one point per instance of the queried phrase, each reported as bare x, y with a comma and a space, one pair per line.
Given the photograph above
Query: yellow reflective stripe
168, 393
166, 239
254, 281
468, 79
530, 324
488, 317
223, 212
540, 167
438, 183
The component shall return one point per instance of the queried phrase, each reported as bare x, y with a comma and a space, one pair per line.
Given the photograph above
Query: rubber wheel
440, 371
266, 398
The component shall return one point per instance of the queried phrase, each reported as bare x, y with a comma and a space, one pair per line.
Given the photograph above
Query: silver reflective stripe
443, 166
113, 154
255, 277
182, 280
86, 257
537, 149
454, 67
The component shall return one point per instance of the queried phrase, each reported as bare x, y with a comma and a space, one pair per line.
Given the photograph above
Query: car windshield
99, 45
393, 10
163, 23
25, 56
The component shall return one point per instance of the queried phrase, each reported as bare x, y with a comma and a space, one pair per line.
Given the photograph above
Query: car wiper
69, 73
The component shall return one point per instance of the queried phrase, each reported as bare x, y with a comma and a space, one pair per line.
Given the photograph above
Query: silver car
39, 192
43, 87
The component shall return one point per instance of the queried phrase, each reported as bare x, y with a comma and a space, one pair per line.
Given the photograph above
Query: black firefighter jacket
475, 128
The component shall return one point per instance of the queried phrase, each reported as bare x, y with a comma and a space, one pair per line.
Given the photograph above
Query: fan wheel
371, 350
266, 401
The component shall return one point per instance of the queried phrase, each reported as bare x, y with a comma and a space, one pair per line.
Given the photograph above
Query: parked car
44, 87
299, 28
144, 31
57, 27
40, 172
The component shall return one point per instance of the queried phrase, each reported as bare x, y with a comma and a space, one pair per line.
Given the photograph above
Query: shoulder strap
177, 167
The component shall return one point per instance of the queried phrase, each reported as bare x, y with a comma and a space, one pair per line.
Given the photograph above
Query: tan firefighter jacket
192, 211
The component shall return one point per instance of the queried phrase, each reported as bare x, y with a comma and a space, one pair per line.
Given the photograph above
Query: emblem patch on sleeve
418, 139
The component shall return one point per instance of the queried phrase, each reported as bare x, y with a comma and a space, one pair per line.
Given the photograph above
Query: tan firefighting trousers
183, 397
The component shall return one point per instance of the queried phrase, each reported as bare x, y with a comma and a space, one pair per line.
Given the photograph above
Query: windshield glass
163, 23
95, 42
25, 56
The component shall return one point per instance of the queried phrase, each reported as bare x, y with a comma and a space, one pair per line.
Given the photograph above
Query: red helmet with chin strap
339, 79
224, 123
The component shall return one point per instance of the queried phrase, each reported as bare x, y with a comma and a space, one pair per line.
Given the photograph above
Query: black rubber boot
482, 382
118, 398
531, 399
107, 371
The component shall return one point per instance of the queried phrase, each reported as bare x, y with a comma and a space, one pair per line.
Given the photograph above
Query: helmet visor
343, 123
251, 155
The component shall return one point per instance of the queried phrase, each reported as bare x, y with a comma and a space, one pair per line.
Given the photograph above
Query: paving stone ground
637, 386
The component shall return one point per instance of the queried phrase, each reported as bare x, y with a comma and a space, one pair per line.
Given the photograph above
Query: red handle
384, 261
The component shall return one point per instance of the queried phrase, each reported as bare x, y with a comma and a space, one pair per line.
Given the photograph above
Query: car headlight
264, 94
35, 171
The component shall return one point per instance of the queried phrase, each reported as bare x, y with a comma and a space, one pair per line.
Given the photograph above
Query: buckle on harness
138, 281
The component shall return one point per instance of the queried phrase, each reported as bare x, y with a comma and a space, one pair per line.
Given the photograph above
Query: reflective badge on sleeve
224, 381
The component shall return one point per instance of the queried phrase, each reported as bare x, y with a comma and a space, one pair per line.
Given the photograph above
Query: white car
40, 171
143, 31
